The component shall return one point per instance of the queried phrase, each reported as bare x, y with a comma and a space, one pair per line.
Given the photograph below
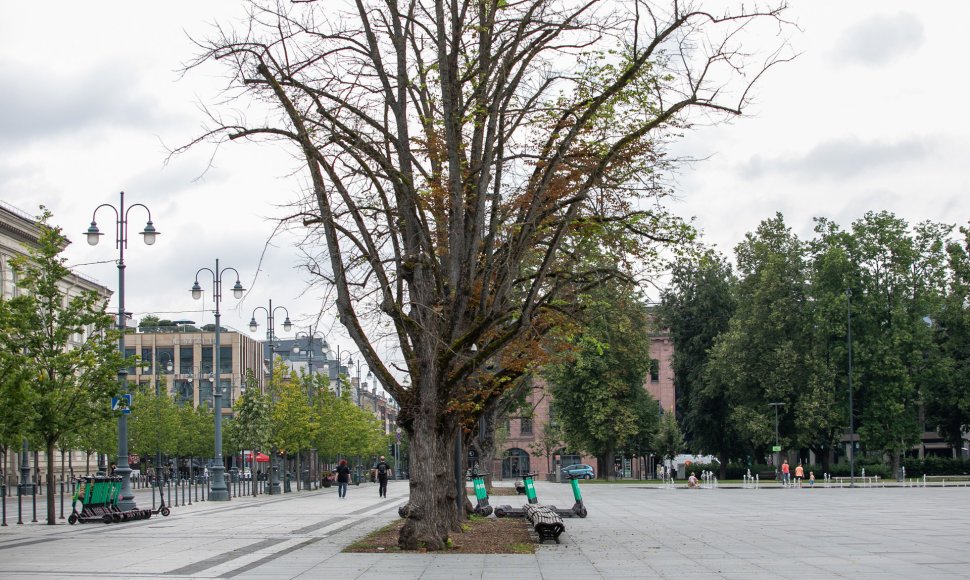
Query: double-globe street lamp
350, 365
274, 483
126, 499
311, 337
218, 491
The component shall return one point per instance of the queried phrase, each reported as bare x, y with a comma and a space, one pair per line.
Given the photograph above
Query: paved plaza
633, 531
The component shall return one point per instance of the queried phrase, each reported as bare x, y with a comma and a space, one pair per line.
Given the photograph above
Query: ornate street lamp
126, 499
219, 491
311, 336
274, 484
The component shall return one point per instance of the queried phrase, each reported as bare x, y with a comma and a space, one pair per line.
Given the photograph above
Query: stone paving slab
633, 531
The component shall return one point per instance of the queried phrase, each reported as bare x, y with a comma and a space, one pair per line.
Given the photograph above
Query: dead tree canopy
471, 167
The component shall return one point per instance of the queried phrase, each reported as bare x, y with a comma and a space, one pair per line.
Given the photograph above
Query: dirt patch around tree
479, 536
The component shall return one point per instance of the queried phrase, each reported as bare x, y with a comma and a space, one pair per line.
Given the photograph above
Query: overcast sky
869, 117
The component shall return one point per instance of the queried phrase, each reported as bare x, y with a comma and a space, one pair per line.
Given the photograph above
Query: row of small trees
59, 364
296, 413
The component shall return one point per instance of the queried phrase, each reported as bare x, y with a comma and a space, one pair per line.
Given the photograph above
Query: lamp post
360, 386
350, 364
310, 335
848, 318
777, 448
274, 483
218, 491
169, 367
126, 499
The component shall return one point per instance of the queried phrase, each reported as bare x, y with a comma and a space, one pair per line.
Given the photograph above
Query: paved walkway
633, 531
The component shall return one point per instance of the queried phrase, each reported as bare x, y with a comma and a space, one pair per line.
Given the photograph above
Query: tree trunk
483, 442
432, 512
723, 461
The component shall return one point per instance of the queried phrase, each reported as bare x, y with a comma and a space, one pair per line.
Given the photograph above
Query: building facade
523, 451
185, 361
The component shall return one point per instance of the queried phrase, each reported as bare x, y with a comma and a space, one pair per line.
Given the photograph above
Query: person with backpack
382, 469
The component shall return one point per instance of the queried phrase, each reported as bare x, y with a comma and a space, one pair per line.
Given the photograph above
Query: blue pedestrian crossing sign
122, 403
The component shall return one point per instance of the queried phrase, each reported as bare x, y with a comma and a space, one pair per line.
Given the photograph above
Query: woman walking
343, 478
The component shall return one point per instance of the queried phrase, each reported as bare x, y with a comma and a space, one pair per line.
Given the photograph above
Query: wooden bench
546, 523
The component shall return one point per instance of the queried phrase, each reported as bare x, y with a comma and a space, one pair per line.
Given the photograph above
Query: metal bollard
62, 497
34, 500
3, 497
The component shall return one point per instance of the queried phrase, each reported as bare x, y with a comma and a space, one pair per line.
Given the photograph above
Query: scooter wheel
499, 513
72, 519
165, 511
582, 513
106, 518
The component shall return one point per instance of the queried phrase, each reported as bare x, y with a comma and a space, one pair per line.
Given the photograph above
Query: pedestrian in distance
799, 473
382, 470
811, 479
692, 480
343, 478
785, 473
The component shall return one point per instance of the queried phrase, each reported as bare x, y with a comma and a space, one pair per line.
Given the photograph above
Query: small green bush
916, 467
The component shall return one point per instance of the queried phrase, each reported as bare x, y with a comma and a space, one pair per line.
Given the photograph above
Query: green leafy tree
669, 441
900, 285
291, 415
252, 426
66, 346
944, 391
153, 423
696, 308
597, 391
764, 356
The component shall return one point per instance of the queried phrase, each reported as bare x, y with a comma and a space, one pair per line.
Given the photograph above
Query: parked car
580, 471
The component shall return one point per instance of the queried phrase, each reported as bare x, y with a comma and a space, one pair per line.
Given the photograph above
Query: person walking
343, 478
785, 473
382, 469
799, 474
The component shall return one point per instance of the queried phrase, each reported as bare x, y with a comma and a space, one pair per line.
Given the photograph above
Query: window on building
654, 370
129, 354
525, 425
205, 365
225, 359
186, 360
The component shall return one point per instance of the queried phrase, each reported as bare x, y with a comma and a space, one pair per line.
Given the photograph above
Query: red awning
262, 458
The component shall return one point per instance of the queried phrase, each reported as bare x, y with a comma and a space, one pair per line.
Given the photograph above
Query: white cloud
881, 39
841, 159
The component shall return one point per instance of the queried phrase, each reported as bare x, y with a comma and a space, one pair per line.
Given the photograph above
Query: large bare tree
463, 159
